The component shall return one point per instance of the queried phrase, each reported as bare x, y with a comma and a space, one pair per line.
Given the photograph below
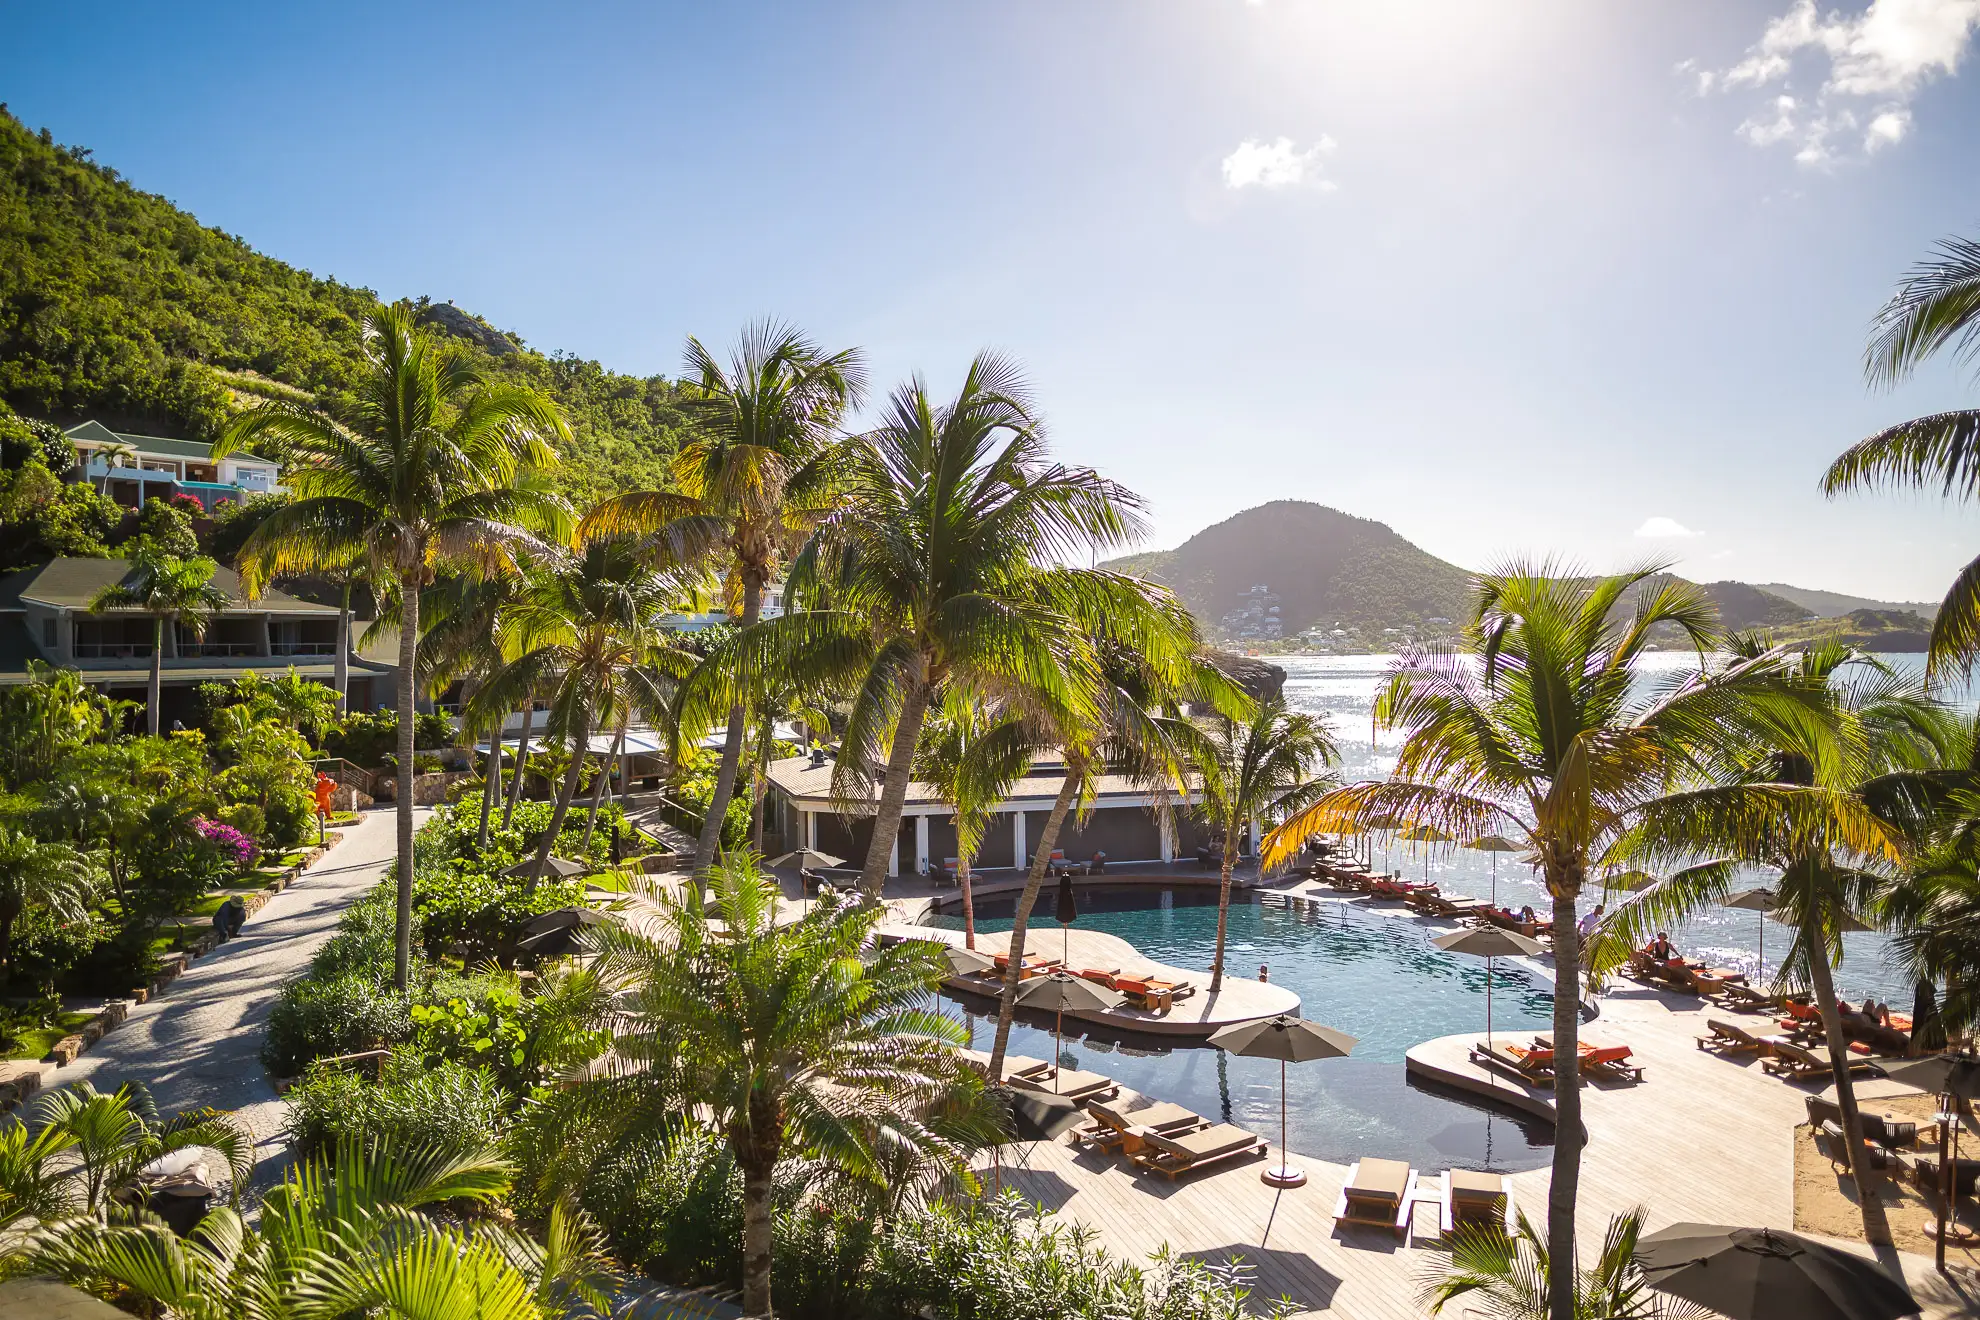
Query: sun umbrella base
1957, 1235
1283, 1175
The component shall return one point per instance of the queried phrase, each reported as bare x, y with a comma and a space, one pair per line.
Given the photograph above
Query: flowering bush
228, 842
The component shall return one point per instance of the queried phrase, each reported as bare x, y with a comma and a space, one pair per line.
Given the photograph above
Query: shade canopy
1849, 923
1425, 834
1067, 910
565, 918
1496, 843
1957, 1074
1288, 1039
1488, 942
965, 961
561, 867
1032, 1116
806, 858
1382, 821
1753, 900
1629, 880
1766, 1274
1058, 992
558, 934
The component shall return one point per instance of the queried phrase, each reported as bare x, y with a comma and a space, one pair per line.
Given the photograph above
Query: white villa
131, 469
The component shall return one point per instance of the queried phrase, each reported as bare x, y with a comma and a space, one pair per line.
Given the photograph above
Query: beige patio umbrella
1762, 900
1627, 881
1426, 835
1496, 844
1385, 825
1059, 991
1490, 943
1289, 1040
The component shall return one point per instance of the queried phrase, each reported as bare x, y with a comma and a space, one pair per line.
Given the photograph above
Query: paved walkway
199, 1043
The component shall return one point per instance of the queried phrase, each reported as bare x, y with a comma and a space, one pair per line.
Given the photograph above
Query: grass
36, 1043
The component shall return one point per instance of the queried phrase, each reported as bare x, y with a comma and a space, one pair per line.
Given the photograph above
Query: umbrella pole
1284, 1175
1763, 952
1495, 883
1058, 1047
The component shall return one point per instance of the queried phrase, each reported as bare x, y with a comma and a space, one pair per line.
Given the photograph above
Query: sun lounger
1832, 1134
1525, 1061
1480, 1200
1886, 1130
1798, 1065
1033, 965
1747, 999
1378, 1193
1174, 1154
1115, 1126
1729, 1039
1102, 975
1599, 1057
1070, 1083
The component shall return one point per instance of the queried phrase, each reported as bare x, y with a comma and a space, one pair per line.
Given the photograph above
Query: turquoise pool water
1377, 979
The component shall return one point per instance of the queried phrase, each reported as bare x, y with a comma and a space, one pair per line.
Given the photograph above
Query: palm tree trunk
1034, 880
604, 777
1568, 1134
710, 841
893, 790
1876, 1227
580, 744
765, 736
1223, 911
408, 659
522, 764
343, 665
155, 692
491, 786
969, 904
756, 1155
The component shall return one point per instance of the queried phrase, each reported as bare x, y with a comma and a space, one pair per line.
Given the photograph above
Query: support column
921, 844
267, 648
811, 830
1257, 833
894, 854
1018, 852
1168, 821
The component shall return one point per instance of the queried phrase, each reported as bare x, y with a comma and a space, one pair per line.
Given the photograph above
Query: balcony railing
302, 648
113, 650
217, 650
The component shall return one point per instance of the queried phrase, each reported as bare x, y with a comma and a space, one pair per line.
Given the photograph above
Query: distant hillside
1328, 568
1870, 630
116, 304
1742, 605
1833, 604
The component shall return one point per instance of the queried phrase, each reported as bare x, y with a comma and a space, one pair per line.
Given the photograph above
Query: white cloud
1256, 163
1882, 55
1661, 528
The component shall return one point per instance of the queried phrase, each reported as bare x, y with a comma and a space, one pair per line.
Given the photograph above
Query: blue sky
1527, 277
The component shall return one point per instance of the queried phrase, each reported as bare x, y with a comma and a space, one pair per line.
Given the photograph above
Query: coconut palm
793, 1038
1502, 1276
362, 1231
758, 477
974, 757
115, 454
111, 1135
1542, 734
37, 874
588, 631
1936, 307
1254, 770
1822, 805
930, 574
430, 465
170, 590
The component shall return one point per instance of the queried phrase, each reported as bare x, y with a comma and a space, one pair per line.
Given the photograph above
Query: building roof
96, 433
811, 787
73, 583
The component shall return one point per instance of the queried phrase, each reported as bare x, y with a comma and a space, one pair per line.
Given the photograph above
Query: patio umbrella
1496, 844
1629, 881
1849, 922
965, 962
1762, 900
1067, 913
561, 867
1383, 824
1425, 834
1956, 1077
1031, 1117
1766, 1274
556, 933
806, 858
1289, 1040
1489, 943
1059, 991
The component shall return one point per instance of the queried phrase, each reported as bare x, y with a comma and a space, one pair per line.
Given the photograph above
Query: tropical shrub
111, 967
228, 843
448, 1104
457, 904
41, 515
345, 1014
164, 529
367, 738
245, 817
48, 950
362, 945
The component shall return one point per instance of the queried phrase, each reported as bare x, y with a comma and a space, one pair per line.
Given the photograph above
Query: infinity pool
1374, 977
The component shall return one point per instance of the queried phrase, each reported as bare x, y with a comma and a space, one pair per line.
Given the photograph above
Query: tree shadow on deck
1277, 1273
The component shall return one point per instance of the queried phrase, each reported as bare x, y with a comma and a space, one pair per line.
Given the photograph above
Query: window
48, 634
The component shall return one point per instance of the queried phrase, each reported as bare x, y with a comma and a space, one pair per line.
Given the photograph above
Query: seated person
1526, 914
1661, 948
229, 917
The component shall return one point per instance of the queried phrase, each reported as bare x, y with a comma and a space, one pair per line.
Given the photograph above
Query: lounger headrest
1380, 1178
1470, 1185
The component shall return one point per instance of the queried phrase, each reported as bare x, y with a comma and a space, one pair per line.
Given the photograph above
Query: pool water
1376, 978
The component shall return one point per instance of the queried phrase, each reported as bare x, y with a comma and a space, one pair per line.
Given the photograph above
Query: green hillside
116, 304
1328, 569
1743, 605
1834, 604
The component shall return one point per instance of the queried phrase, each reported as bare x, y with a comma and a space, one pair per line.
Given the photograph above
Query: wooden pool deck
1702, 1138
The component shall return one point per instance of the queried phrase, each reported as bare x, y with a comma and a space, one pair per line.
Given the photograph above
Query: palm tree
588, 630
110, 1136
1540, 734
930, 574
357, 1232
179, 591
114, 455
431, 464
42, 719
1255, 769
37, 874
1936, 307
804, 1037
1816, 802
758, 477
1492, 1274
974, 757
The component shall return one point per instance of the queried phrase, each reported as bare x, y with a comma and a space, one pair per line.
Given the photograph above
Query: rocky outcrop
449, 319
1264, 680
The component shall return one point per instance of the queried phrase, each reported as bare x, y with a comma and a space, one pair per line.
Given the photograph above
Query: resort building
1128, 822
45, 615
131, 469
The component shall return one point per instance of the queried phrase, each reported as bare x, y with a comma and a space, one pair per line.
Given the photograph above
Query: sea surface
1343, 688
